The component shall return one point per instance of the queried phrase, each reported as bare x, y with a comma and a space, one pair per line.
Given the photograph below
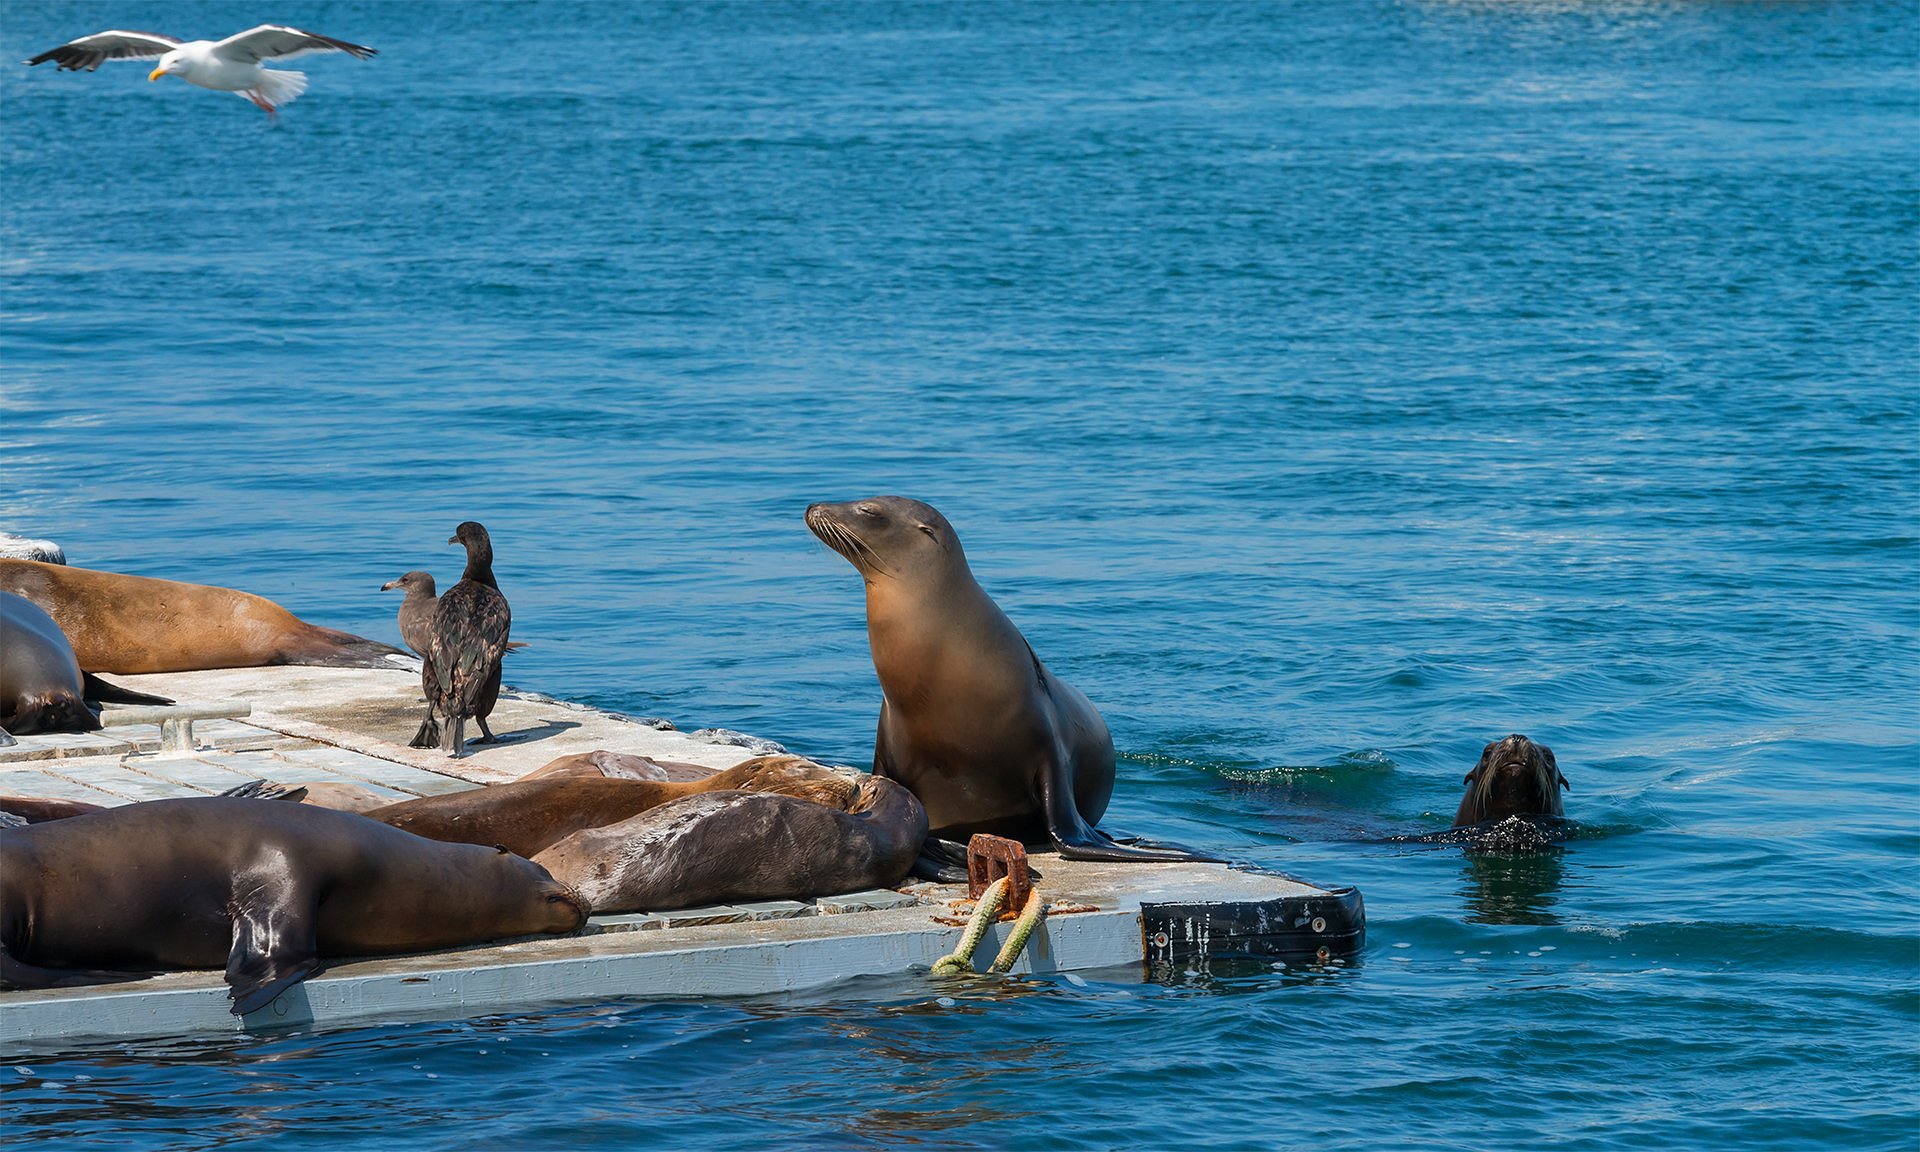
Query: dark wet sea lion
42, 688
527, 816
135, 624
264, 890
416, 611
723, 846
1515, 777
971, 721
460, 672
40, 809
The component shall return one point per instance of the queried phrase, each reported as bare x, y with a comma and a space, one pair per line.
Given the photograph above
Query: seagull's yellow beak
156, 74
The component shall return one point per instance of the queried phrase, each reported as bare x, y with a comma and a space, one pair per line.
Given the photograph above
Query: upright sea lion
134, 624
527, 816
42, 688
264, 889
720, 846
1515, 777
461, 670
970, 720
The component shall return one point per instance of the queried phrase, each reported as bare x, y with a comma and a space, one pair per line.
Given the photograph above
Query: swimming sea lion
970, 720
1515, 777
134, 624
42, 688
460, 672
527, 816
264, 889
716, 847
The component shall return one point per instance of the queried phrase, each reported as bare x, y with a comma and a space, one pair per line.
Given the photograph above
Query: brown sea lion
135, 624
42, 688
264, 889
1515, 777
970, 719
40, 809
344, 797
527, 816
460, 672
726, 846
614, 765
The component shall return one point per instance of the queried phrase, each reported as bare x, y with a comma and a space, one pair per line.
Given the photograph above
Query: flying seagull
230, 65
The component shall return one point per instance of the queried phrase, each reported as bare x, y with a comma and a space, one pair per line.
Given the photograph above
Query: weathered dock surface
310, 725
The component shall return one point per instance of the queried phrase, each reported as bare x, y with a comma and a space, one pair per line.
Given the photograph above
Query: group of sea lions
975, 735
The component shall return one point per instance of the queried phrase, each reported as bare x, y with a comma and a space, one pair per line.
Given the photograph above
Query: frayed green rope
1030, 917
983, 913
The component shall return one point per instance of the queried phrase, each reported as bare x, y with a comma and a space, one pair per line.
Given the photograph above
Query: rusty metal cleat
991, 857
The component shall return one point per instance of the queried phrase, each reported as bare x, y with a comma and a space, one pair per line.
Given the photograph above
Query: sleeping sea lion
527, 816
716, 847
1515, 777
264, 890
134, 624
970, 720
42, 688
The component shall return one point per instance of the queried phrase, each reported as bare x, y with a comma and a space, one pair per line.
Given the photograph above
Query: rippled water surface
1326, 389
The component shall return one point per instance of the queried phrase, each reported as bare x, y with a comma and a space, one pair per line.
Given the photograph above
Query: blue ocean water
1325, 389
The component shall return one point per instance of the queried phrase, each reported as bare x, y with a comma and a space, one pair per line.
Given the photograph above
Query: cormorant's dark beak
453, 539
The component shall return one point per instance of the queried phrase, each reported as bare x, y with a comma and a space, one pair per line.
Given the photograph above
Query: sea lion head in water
1515, 777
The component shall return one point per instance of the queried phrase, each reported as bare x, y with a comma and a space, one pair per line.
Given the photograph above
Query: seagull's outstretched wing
279, 42
88, 52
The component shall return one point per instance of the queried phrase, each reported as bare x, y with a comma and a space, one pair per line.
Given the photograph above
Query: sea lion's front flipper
1077, 840
13, 820
94, 688
6, 739
275, 936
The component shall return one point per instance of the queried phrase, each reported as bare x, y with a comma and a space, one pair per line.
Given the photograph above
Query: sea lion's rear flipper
332, 648
6, 739
96, 689
275, 938
264, 790
1077, 840
942, 861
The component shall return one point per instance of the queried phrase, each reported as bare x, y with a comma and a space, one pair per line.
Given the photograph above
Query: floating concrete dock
303, 725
